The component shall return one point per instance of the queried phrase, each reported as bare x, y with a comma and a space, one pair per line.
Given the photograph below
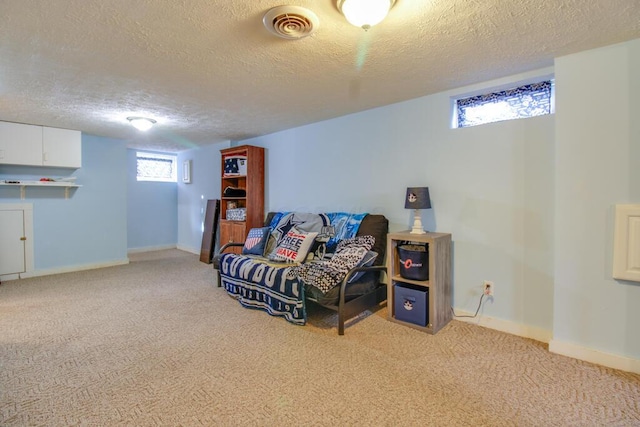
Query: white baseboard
7, 277
150, 249
71, 269
195, 251
507, 326
594, 356
566, 349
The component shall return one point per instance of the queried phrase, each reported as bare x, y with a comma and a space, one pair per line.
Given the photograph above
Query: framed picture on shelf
186, 172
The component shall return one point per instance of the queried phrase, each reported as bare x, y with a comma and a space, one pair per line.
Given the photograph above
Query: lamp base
417, 223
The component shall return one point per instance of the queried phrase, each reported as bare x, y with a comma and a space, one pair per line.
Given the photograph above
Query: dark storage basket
411, 303
414, 261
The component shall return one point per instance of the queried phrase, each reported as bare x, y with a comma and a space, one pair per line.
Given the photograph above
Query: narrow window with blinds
530, 100
156, 167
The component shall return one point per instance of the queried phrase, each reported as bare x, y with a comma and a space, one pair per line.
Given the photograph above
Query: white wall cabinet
20, 144
32, 145
61, 148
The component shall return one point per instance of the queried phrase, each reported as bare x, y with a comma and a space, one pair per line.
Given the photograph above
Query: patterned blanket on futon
274, 286
260, 284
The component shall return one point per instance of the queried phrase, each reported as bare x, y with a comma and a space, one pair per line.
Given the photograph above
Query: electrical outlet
488, 288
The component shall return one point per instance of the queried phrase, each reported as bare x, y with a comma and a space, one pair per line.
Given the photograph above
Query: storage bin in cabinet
411, 303
239, 214
414, 261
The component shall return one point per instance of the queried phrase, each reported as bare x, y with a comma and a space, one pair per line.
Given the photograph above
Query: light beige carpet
156, 342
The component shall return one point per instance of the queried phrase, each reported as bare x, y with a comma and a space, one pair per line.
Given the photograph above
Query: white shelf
24, 184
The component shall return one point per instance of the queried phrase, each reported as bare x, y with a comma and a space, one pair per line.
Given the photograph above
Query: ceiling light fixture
365, 13
141, 123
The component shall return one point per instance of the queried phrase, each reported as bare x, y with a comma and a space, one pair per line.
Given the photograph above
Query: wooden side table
437, 286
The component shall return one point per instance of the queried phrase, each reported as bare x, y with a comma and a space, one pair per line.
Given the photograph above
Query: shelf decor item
417, 198
235, 165
237, 214
234, 192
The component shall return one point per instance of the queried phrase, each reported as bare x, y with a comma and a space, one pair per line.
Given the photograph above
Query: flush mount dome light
141, 123
365, 13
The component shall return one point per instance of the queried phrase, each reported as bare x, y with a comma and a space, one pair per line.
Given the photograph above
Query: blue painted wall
597, 166
192, 198
152, 213
491, 187
89, 228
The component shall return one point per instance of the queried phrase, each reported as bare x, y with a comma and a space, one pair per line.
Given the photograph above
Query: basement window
529, 100
156, 167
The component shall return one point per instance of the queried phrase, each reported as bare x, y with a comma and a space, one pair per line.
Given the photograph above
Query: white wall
598, 166
491, 187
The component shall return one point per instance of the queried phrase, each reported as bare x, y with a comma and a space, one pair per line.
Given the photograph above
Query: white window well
529, 100
156, 167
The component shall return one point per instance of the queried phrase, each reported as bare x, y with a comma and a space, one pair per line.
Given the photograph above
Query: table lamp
417, 198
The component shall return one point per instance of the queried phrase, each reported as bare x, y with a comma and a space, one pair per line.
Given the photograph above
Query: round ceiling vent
290, 22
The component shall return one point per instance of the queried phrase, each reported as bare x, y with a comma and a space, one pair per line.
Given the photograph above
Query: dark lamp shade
417, 198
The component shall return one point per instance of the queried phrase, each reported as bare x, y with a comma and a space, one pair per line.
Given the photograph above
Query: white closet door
12, 254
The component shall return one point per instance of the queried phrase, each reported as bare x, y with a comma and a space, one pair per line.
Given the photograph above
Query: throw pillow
256, 240
294, 246
281, 223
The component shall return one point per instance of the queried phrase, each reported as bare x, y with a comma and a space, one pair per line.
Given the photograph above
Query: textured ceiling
208, 71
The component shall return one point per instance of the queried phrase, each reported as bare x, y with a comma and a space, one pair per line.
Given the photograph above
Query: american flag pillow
256, 240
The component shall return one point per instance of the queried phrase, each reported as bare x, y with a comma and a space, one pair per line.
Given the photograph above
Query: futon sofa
283, 265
